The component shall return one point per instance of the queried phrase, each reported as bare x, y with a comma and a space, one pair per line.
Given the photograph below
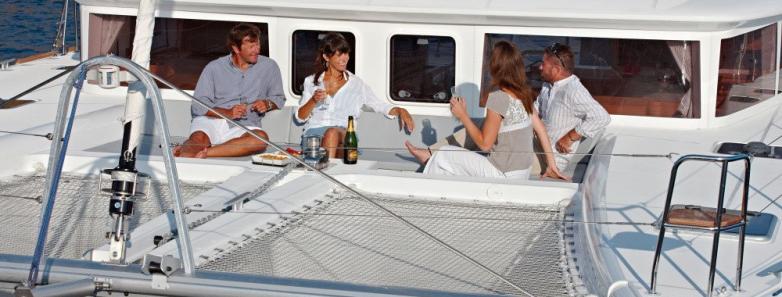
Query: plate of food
276, 159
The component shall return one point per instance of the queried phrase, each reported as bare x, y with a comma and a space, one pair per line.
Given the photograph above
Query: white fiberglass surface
627, 195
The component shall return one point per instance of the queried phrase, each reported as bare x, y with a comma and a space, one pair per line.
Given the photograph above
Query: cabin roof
673, 15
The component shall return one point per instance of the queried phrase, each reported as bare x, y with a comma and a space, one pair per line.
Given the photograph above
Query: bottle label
352, 155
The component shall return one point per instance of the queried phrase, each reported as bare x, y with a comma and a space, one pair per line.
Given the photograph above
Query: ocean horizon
29, 27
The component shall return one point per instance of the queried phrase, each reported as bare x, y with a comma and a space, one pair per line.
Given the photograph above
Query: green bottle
350, 150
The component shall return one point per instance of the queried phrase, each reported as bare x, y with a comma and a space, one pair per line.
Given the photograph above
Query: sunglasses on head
555, 49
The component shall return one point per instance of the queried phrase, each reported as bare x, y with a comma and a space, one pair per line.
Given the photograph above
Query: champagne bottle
350, 150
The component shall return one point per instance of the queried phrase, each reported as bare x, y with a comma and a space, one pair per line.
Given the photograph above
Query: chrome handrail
57, 155
742, 225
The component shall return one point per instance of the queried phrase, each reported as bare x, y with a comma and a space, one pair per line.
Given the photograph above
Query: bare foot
177, 151
202, 154
420, 154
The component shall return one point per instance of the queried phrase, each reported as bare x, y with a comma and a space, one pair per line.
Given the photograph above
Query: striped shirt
566, 105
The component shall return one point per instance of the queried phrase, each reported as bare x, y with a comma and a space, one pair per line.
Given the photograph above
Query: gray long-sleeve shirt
223, 85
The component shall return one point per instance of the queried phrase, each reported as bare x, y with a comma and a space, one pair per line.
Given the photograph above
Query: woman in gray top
507, 130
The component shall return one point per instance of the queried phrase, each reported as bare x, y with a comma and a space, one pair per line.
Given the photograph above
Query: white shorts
217, 129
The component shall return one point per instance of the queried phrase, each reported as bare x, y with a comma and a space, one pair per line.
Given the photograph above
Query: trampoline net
80, 218
346, 239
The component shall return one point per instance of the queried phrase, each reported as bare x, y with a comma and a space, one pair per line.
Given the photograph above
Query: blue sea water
28, 27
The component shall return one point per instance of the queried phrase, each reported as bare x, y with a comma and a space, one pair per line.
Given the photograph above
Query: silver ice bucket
312, 152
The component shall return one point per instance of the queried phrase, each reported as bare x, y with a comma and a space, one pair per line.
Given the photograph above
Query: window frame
288, 35
704, 37
292, 58
621, 101
389, 78
718, 40
169, 94
779, 59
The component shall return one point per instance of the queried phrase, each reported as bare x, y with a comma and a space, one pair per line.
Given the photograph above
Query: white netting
80, 218
348, 240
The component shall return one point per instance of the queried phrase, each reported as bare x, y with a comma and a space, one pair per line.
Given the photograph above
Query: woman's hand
318, 96
305, 110
553, 172
405, 120
459, 108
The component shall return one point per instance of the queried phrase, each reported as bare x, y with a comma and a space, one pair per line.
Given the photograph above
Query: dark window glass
747, 70
626, 76
181, 48
305, 52
422, 68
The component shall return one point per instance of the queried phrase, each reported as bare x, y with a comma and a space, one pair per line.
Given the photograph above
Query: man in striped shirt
565, 105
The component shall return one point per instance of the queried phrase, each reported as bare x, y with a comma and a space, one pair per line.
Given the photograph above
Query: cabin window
181, 48
422, 68
636, 77
305, 49
747, 72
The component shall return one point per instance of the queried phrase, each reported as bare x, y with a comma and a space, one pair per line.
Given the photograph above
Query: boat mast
125, 179
58, 47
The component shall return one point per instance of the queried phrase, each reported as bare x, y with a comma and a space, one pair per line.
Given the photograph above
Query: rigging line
391, 150
67, 70
432, 217
772, 202
775, 140
48, 136
36, 199
349, 189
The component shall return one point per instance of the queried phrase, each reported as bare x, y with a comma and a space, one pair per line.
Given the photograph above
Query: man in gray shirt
242, 86
567, 109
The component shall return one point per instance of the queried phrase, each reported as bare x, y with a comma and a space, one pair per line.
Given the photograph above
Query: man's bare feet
202, 153
420, 154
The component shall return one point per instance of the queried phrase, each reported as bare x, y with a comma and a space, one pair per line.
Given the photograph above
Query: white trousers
454, 160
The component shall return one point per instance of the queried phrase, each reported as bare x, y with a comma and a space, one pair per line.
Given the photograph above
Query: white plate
276, 159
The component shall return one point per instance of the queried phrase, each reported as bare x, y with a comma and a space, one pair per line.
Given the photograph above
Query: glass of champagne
455, 94
323, 104
243, 100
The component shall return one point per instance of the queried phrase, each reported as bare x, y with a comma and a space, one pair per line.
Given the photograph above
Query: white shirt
348, 101
565, 105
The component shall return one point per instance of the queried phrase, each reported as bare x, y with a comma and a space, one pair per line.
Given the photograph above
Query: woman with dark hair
333, 94
507, 130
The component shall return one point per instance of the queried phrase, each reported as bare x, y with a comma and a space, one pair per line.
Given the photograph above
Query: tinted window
747, 70
181, 48
305, 54
626, 76
422, 68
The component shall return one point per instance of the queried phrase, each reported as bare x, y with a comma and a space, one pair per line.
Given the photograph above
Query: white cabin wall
372, 59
